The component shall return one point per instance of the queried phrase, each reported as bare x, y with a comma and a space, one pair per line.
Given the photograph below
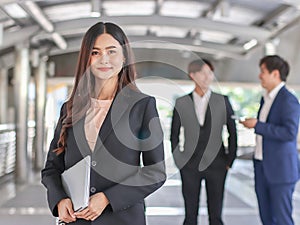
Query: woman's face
107, 57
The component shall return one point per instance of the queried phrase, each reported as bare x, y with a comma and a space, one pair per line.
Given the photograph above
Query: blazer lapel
207, 113
80, 138
275, 102
115, 113
193, 109
260, 106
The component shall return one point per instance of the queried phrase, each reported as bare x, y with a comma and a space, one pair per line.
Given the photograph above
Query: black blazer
127, 163
209, 149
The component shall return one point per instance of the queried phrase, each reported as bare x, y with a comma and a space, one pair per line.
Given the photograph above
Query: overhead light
189, 9
250, 44
270, 48
216, 36
121, 8
39, 16
95, 10
59, 40
15, 11
168, 31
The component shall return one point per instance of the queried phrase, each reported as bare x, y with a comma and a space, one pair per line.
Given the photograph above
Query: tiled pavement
26, 204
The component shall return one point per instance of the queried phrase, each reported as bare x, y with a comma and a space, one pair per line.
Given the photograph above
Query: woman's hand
65, 210
97, 204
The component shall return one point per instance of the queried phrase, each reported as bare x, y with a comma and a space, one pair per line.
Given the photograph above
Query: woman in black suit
107, 118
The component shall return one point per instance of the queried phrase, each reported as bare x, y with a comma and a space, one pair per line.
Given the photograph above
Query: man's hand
249, 122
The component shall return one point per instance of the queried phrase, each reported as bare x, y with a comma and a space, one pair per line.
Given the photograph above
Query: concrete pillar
3, 95
21, 78
40, 103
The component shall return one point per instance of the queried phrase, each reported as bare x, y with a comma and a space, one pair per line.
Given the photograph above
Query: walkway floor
26, 204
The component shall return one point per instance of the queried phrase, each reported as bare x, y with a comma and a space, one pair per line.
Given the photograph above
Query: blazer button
93, 189
94, 163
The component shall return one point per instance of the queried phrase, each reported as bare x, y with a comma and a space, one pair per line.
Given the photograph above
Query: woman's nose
104, 58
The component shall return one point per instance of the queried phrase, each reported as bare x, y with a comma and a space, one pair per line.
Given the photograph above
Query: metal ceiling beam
261, 34
147, 42
273, 16
38, 15
295, 3
12, 38
276, 33
132, 39
249, 32
279, 31
5, 2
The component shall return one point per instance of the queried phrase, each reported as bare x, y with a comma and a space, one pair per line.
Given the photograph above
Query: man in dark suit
199, 117
276, 164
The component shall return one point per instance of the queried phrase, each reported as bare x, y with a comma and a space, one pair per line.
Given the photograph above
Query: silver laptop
76, 182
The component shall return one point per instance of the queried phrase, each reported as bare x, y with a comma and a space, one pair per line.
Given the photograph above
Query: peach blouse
94, 119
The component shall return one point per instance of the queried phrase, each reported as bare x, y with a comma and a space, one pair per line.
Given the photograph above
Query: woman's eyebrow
109, 47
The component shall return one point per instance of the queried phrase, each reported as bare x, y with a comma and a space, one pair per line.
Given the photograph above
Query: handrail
7, 127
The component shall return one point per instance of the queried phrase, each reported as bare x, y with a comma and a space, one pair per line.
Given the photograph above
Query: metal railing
7, 149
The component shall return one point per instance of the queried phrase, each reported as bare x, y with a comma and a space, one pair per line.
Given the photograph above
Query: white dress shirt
201, 104
264, 112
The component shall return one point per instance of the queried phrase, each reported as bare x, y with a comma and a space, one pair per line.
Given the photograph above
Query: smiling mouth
104, 69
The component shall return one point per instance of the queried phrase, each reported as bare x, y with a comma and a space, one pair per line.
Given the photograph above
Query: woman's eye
95, 53
110, 52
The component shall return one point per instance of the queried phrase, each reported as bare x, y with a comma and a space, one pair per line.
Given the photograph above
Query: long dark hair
84, 81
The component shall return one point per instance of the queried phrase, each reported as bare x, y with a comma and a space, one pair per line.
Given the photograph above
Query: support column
21, 77
40, 104
3, 95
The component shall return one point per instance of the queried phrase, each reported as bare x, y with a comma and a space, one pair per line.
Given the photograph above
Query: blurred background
39, 44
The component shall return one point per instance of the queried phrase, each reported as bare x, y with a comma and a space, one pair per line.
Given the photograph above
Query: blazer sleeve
286, 128
150, 176
175, 128
54, 166
231, 128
